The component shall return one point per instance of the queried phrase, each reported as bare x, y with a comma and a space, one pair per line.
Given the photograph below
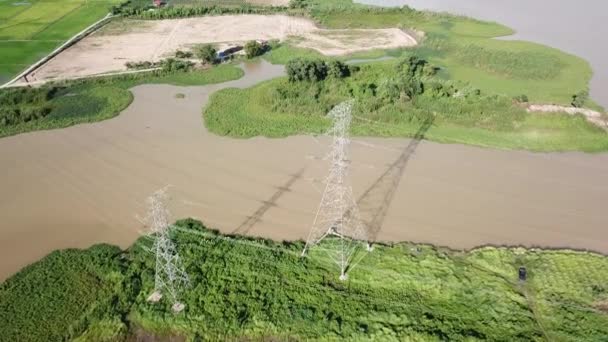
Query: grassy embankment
68, 103
469, 59
248, 288
31, 29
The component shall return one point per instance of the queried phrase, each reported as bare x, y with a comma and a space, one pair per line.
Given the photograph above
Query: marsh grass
97, 99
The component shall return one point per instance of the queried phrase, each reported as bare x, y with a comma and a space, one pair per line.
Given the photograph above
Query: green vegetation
206, 53
253, 49
67, 103
244, 288
31, 29
394, 98
315, 70
142, 9
57, 297
465, 48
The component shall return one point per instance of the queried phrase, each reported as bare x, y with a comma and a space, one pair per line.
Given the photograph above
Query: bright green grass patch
286, 51
74, 21
17, 56
29, 32
253, 289
240, 113
25, 24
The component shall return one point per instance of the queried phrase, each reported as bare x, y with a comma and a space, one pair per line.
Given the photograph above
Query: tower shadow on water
376, 200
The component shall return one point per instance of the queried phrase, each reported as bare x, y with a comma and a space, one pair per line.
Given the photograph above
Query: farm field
31, 29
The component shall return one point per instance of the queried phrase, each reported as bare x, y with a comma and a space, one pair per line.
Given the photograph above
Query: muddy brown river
86, 184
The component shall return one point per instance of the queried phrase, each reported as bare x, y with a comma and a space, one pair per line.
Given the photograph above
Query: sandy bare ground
133, 41
85, 184
595, 117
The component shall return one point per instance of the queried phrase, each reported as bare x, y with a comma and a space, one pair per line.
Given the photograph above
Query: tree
579, 99
315, 70
206, 53
253, 49
337, 69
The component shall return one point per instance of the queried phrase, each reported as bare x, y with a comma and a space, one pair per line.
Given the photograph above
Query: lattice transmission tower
170, 277
337, 215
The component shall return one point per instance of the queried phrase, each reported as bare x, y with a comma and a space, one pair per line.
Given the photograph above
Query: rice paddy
31, 29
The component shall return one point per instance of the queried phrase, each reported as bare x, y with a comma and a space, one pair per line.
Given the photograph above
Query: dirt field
133, 41
85, 184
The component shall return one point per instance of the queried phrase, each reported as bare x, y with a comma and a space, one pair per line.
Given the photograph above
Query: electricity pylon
170, 277
337, 214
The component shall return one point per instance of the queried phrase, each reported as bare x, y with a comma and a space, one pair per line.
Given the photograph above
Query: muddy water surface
85, 184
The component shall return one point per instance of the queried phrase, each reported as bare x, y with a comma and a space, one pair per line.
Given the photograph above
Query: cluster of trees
20, 105
314, 70
149, 12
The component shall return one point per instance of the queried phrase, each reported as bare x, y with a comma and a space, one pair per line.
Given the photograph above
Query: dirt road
85, 184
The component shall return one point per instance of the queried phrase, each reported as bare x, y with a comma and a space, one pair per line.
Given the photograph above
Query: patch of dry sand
133, 41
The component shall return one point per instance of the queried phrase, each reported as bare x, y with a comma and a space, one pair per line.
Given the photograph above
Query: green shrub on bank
314, 70
66, 103
60, 296
393, 99
249, 289
253, 49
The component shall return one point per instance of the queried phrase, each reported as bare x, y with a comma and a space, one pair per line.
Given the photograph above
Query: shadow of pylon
244, 227
376, 200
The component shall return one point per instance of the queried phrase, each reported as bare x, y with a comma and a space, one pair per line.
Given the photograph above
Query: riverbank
97, 177
243, 288
385, 107
64, 104
547, 29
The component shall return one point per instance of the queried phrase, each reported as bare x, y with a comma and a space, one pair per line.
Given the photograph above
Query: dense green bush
579, 99
22, 105
206, 53
61, 295
314, 70
253, 49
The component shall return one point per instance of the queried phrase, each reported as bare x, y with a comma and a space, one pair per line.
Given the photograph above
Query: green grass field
31, 29
252, 289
